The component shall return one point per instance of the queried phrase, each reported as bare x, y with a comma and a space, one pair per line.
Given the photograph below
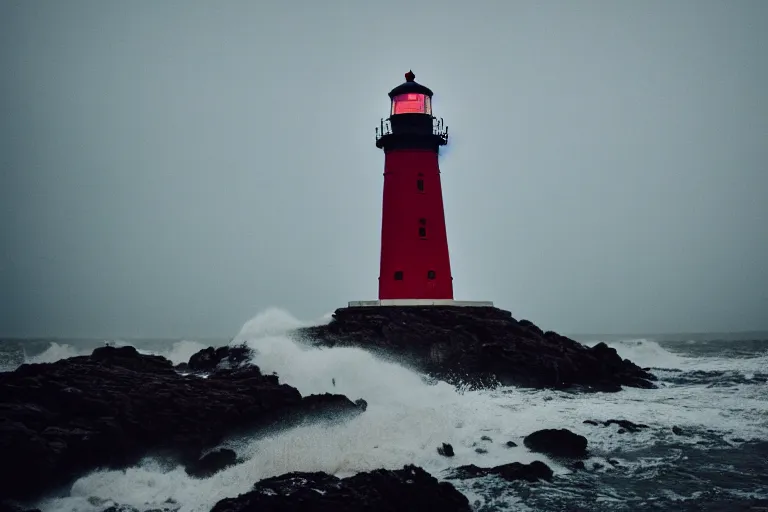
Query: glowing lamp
411, 103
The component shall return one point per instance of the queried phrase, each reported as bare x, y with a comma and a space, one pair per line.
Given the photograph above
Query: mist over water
408, 417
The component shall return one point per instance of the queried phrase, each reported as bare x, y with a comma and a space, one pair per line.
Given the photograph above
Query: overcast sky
171, 168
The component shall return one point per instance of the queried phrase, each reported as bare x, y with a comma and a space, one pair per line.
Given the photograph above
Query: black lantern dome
410, 124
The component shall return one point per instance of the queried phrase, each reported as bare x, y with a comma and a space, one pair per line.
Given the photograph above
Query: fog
171, 168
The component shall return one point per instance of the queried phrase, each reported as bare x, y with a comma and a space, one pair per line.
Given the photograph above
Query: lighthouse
415, 266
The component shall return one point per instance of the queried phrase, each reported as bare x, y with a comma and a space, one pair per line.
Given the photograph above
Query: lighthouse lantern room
415, 266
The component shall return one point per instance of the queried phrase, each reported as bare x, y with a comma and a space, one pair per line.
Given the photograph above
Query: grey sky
171, 168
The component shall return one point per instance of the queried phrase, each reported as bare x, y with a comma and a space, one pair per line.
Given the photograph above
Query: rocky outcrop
109, 409
624, 425
403, 490
446, 450
482, 346
558, 443
532, 472
211, 359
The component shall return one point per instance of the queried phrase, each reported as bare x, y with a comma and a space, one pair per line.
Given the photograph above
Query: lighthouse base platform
420, 302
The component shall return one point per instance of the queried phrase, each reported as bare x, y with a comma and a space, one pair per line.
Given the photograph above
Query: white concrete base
420, 302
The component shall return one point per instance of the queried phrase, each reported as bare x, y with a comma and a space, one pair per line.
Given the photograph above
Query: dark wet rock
486, 438
613, 462
446, 450
624, 425
680, 432
532, 472
210, 359
478, 346
329, 403
407, 489
9, 507
59, 420
121, 508
481, 450
557, 443
578, 465
511, 444
212, 463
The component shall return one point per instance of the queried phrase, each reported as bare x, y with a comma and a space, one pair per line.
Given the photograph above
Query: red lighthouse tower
414, 245
415, 268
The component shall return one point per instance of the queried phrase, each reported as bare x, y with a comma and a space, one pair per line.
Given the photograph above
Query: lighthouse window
398, 275
431, 274
423, 221
422, 232
420, 185
411, 104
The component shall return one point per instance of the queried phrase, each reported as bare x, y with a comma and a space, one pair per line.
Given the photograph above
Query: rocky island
479, 346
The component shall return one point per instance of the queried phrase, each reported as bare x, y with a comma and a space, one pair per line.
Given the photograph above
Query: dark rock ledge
479, 346
108, 410
402, 490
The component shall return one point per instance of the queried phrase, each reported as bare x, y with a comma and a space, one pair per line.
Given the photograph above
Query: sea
712, 387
